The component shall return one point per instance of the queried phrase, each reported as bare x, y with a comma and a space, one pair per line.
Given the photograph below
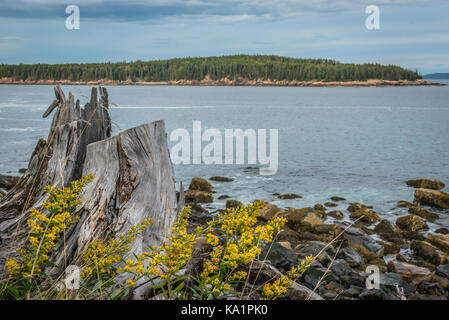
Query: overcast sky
413, 34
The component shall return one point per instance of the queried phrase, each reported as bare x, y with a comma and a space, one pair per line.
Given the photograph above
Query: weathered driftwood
133, 179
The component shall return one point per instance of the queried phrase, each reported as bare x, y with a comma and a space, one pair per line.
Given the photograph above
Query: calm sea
358, 143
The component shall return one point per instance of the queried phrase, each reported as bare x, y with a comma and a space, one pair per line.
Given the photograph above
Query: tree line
251, 67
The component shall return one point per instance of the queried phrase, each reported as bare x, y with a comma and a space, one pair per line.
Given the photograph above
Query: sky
413, 33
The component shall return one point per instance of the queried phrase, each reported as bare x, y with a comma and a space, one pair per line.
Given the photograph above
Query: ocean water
358, 143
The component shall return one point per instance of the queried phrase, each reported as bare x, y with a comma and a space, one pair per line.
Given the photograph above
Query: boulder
336, 214
432, 198
390, 247
442, 231
408, 271
376, 294
439, 240
230, 204
363, 243
353, 207
365, 215
200, 184
426, 184
427, 252
312, 219
326, 253
390, 280
279, 256
431, 288
223, 197
194, 196
330, 204
352, 257
423, 213
319, 207
336, 198
411, 223
221, 179
288, 235
443, 271
269, 212
289, 196
404, 204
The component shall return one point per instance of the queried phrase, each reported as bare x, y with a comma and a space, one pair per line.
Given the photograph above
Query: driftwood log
133, 180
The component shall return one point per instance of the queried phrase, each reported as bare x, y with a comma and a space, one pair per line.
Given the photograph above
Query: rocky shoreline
229, 82
412, 265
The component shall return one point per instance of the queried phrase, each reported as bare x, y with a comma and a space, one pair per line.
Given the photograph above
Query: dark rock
330, 204
336, 214
404, 204
8, 182
425, 297
279, 256
270, 211
341, 268
432, 198
376, 294
289, 235
426, 184
408, 271
443, 271
319, 207
223, 197
353, 291
350, 256
431, 288
439, 240
391, 248
353, 207
411, 223
22, 170
442, 231
391, 281
426, 251
230, 204
314, 248
221, 179
423, 213
335, 198
289, 196
200, 184
363, 243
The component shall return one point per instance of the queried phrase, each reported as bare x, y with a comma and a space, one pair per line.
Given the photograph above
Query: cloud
228, 10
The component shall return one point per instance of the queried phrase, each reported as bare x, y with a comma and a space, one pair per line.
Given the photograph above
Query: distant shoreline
227, 82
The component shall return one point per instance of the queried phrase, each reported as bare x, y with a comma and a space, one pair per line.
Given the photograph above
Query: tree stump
133, 180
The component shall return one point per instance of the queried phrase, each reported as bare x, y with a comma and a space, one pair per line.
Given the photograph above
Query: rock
427, 252
336, 214
314, 248
223, 197
404, 204
8, 182
390, 280
443, 271
353, 207
408, 271
312, 219
279, 256
425, 297
331, 229
426, 184
432, 198
363, 243
289, 196
22, 170
288, 235
390, 247
270, 211
376, 294
442, 231
319, 207
335, 198
315, 273
352, 257
440, 241
384, 227
285, 244
200, 184
423, 213
330, 204
365, 215
431, 288
230, 204
193, 196
221, 179
341, 268
411, 223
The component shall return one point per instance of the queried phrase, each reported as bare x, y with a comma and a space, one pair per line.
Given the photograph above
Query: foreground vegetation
250, 67
111, 271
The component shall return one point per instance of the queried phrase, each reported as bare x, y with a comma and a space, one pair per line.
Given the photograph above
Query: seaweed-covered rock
194, 196
289, 196
432, 198
221, 179
233, 204
411, 223
426, 184
200, 184
365, 215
